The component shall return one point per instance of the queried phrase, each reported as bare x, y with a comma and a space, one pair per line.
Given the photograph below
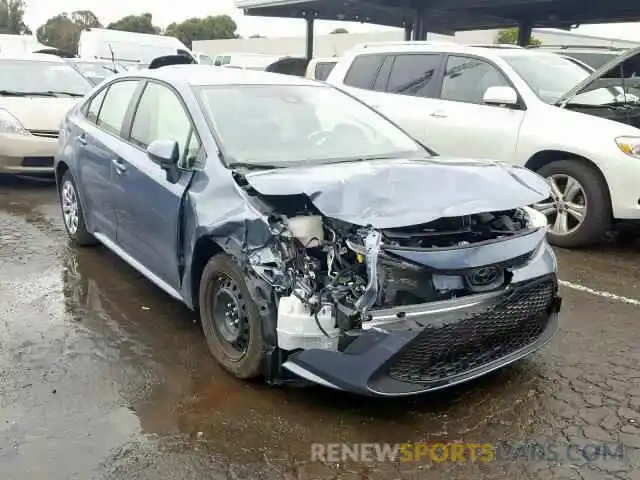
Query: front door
149, 209
461, 125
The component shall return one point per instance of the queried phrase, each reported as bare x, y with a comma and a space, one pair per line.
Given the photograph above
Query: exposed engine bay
329, 274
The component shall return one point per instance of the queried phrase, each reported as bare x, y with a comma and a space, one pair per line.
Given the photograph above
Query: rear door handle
438, 114
118, 165
82, 138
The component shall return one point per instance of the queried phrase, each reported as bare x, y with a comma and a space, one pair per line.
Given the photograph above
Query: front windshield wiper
48, 93
612, 105
62, 92
253, 166
18, 93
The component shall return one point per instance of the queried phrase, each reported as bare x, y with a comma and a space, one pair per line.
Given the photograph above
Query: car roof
201, 75
32, 57
488, 51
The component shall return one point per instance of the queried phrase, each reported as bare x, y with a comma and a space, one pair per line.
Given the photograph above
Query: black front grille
37, 162
442, 352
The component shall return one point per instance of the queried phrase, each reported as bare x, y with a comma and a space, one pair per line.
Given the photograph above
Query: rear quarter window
323, 69
363, 71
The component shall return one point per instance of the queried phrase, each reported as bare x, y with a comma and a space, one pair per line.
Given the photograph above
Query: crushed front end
400, 311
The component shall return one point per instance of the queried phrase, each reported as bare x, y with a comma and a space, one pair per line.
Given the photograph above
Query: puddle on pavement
94, 358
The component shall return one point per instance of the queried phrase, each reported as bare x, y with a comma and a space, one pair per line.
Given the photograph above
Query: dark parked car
316, 239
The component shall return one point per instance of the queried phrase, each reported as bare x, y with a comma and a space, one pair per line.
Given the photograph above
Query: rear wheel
230, 319
579, 209
72, 212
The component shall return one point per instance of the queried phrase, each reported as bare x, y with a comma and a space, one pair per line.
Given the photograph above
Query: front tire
230, 319
72, 213
579, 211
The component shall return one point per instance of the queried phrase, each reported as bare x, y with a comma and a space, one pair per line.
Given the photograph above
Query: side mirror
166, 154
500, 96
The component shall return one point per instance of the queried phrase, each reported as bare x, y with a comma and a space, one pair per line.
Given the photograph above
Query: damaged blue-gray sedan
317, 240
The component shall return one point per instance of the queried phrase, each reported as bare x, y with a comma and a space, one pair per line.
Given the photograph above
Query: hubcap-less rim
567, 207
69, 206
230, 317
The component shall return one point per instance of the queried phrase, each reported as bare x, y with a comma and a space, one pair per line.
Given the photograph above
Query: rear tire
230, 318
580, 188
72, 213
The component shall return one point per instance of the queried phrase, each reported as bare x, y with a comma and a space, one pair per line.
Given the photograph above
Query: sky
164, 13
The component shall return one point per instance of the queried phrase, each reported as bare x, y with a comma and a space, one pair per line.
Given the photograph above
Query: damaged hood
399, 193
626, 66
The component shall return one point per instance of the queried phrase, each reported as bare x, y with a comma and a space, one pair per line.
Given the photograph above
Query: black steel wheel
230, 318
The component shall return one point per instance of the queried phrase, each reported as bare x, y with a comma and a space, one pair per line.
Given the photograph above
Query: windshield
550, 76
280, 124
33, 77
101, 70
594, 60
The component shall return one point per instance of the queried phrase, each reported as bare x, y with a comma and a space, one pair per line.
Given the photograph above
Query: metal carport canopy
446, 16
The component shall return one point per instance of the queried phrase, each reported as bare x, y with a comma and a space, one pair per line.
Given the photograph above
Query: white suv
579, 129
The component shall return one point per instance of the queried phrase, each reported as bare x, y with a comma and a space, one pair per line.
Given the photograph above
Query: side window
206, 60
380, 85
363, 71
413, 74
466, 79
115, 105
94, 106
161, 116
323, 69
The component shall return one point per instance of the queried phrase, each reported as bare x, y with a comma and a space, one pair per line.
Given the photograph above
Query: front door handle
82, 138
118, 165
438, 114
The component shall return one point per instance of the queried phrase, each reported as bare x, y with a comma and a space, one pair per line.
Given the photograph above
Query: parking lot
103, 376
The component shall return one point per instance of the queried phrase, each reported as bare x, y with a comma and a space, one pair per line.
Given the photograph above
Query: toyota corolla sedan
317, 240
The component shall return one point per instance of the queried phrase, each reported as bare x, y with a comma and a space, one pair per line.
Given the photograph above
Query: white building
330, 45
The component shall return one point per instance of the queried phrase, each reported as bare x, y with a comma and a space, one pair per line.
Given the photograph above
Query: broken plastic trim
372, 251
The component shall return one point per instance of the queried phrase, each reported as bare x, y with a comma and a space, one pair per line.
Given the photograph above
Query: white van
128, 47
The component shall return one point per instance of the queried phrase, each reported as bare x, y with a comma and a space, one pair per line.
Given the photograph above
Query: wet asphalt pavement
102, 376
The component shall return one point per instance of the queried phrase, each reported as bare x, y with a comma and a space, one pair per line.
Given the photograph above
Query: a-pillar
525, 27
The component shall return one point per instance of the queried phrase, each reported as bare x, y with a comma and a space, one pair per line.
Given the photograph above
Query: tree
60, 32
510, 37
208, 28
135, 23
12, 17
85, 19
339, 30
63, 30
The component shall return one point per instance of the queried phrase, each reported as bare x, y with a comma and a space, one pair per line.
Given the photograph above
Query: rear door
460, 124
149, 207
410, 81
401, 86
96, 145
